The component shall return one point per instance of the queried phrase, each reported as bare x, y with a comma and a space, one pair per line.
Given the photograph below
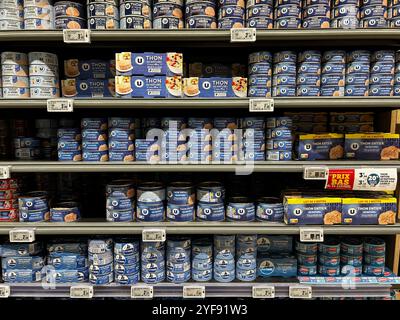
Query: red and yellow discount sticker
340, 179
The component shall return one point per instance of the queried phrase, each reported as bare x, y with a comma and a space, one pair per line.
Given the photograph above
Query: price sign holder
243, 35
5, 291
142, 292
5, 172
315, 173
194, 292
77, 36
60, 105
18, 235
264, 292
261, 105
154, 235
311, 235
300, 292
81, 292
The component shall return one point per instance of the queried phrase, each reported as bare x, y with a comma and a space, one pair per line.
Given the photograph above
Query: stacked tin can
103, 14
316, 14
357, 73
224, 258
246, 257
200, 14
284, 79
260, 74
397, 75
150, 202
374, 256
38, 16
333, 73
351, 258
231, 14
345, 14
210, 201
394, 14
382, 73
46, 131
69, 144
65, 211
126, 261
9, 200
153, 262
94, 139
43, 75
373, 13
70, 15
120, 139
287, 14
253, 142
202, 260
11, 15
279, 141
179, 260
174, 144
226, 148
199, 144
149, 149
120, 201
180, 202
260, 14
27, 148
269, 209
168, 14
15, 75
135, 14
307, 258
101, 261
240, 209
34, 207
329, 257
309, 74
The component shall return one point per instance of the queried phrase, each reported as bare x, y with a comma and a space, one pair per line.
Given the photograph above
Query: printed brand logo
297, 212
352, 212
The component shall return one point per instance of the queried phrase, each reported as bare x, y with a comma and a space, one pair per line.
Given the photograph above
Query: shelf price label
76, 35
4, 291
154, 235
81, 292
315, 173
311, 234
243, 35
264, 292
300, 292
141, 292
60, 105
194, 292
22, 235
261, 105
4, 172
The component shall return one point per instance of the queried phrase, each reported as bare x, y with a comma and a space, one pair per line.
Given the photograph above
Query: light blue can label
240, 212
246, 275
180, 213
153, 277
202, 275
127, 279
101, 279
126, 268
126, 247
125, 215
127, 259
150, 211
101, 270
224, 276
210, 211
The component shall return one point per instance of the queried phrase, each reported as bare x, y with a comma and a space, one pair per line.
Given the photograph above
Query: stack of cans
357, 73
351, 258
316, 14
253, 142
178, 260
226, 144
382, 73
260, 14
27, 148
120, 139
120, 201
345, 14
101, 261
102, 14
202, 260
284, 80
279, 139
153, 262
4, 138
43, 75
69, 144
150, 202
309, 73
231, 14
168, 14
69, 15
260, 74
397, 75
15, 75
307, 258
333, 73
201, 14
199, 144
181, 199
34, 207
135, 14
374, 256
126, 261
287, 14
38, 16
12, 14
46, 131
394, 14
329, 257
9, 200
373, 13
210, 201
224, 258
246, 257
174, 144
94, 139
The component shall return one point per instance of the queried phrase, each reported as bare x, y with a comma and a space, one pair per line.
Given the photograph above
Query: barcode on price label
4, 172
264, 292
4, 291
311, 234
192, 292
81, 292
60, 105
315, 173
154, 235
300, 292
76, 35
261, 105
243, 35
142, 292
22, 235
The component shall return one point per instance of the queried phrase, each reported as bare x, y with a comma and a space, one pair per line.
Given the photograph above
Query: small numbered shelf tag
264, 292
194, 292
243, 35
311, 234
261, 105
300, 292
60, 105
22, 235
315, 173
81, 292
4, 291
154, 235
76, 35
4, 172
142, 292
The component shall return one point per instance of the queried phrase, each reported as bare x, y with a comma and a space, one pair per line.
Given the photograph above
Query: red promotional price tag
340, 179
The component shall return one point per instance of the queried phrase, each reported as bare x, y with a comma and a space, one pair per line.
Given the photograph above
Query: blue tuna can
332, 91
351, 260
131, 8
260, 23
178, 267
382, 67
94, 145
153, 277
285, 56
126, 268
150, 212
246, 263
210, 192
178, 277
351, 271
151, 192
119, 203
100, 246
284, 91
310, 270
34, 215
69, 155
180, 213
68, 145
284, 80
261, 56
285, 68
94, 156
65, 212
127, 279
210, 211
200, 8
101, 270
125, 215
231, 22
380, 91
394, 23
125, 156
307, 259
288, 10
240, 209
287, 23
69, 9
120, 188
181, 193
373, 271
279, 155
201, 22
260, 68
70, 23
308, 79
261, 92
94, 123
260, 81
279, 133
306, 248
136, 22
329, 260
374, 22
259, 10
356, 91
373, 11
351, 246
101, 279
396, 90
269, 209
358, 79
374, 246
316, 23
127, 259
330, 247
94, 135
35, 200
308, 91
202, 264
126, 246
246, 275
329, 271
345, 23
153, 266
224, 276
202, 275
309, 68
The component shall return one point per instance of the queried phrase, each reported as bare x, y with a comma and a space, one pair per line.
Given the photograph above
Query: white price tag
261, 105
4, 172
194, 292
81, 292
375, 179
22, 235
311, 234
243, 35
60, 105
300, 292
4, 291
315, 173
76, 35
264, 292
141, 292
154, 235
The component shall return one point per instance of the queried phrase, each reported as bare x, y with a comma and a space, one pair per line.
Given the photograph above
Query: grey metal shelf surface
213, 289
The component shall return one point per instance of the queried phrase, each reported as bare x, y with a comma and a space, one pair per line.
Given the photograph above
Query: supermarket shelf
240, 168
103, 227
212, 289
238, 103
